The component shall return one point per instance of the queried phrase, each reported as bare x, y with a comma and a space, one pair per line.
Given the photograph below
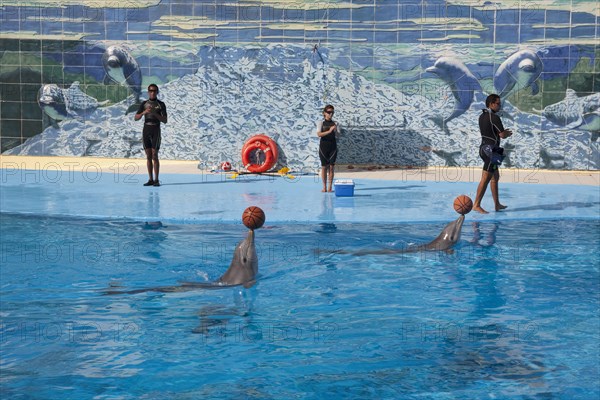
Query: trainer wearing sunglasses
327, 130
155, 112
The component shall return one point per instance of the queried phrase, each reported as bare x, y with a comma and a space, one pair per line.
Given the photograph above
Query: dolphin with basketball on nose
447, 238
242, 271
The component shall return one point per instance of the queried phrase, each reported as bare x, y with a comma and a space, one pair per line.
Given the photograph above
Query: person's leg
495, 192
156, 166
324, 177
483, 184
330, 178
149, 165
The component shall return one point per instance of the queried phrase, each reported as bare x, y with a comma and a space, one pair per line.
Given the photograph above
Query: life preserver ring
251, 158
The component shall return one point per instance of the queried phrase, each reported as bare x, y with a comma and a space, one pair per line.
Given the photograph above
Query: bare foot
500, 207
480, 210
330, 190
324, 190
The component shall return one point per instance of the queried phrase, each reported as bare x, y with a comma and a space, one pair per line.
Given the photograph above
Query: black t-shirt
157, 106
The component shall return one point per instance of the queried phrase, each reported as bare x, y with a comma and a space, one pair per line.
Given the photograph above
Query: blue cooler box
344, 187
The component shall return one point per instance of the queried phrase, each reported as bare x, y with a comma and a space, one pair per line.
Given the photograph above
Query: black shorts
487, 161
151, 137
327, 153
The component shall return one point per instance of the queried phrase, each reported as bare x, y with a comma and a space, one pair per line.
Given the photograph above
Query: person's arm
327, 132
162, 114
503, 133
319, 127
141, 111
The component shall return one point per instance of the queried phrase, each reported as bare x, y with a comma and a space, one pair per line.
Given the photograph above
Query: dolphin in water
447, 238
242, 271
518, 71
462, 82
122, 68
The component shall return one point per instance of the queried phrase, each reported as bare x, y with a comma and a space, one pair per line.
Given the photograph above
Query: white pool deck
428, 174
112, 188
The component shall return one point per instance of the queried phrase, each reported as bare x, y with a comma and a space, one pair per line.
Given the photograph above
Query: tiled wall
408, 78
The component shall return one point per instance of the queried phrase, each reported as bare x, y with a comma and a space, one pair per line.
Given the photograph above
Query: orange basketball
463, 204
253, 217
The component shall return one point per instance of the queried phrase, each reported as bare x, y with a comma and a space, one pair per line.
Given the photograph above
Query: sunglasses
328, 112
153, 90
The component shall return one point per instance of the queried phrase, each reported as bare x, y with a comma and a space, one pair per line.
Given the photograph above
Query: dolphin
60, 104
575, 112
518, 71
122, 68
52, 102
447, 238
242, 271
461, 81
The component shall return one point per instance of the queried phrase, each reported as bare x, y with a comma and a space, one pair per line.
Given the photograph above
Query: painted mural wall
408, 78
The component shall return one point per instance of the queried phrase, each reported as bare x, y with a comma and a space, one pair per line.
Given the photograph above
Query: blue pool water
512, 313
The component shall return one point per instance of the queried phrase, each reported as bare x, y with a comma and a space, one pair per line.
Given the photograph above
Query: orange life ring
264, 144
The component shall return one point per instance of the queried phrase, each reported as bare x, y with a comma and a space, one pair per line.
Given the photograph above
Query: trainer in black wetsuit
327, 130
490, 127
492, 131
154, 112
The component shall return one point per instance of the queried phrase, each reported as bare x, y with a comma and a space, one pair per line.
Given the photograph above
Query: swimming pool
513, 312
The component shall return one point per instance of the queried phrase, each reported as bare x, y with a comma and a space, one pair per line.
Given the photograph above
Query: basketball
463, 204
253, 217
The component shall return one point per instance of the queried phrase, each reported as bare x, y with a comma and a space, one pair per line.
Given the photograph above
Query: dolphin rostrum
242, 271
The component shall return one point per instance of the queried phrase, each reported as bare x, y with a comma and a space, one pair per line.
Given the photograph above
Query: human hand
506, 133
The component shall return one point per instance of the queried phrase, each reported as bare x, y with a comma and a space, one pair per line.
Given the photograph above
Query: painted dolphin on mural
60, 104
242, 271
122, 68
518, 71
574, 112
462, 82
447, 238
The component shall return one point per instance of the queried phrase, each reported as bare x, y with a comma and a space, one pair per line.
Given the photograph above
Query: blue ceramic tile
364, 14
205, 10
135, 15
409, 11
507, 33
507, 16
582, 18
558, 17
561, 33
386, 37
583, 31
531, 34
532, 13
